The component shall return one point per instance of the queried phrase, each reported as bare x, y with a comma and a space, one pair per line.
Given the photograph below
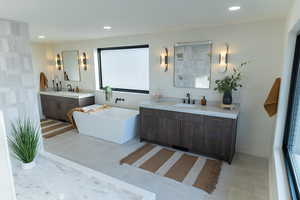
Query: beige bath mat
51, 128
189, 169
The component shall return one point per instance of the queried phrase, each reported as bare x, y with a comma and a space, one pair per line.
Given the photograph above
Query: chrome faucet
188, 95
119, 99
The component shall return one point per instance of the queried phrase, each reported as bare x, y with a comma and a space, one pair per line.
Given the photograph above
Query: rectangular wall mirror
71, 65
192, 63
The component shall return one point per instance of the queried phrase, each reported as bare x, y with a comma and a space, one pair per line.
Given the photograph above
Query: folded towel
271, 102
84, 110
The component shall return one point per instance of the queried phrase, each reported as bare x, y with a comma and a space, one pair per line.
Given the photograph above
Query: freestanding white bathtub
113, 124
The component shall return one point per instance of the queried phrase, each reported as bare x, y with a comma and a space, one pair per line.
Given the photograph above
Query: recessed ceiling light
234, 8
107, 27
41, 37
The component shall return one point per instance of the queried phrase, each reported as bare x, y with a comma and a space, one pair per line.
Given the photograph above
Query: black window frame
291, 174
100, 67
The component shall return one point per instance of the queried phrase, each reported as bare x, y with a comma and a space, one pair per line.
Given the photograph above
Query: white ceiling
84, 19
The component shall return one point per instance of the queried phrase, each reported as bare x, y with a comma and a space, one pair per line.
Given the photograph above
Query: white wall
259, 42
278, 180
42, 61
38, 62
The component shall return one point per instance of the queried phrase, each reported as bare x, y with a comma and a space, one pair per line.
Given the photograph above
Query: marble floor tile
245, 179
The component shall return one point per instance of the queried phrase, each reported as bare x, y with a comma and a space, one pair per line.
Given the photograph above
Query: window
124, 68
291, 144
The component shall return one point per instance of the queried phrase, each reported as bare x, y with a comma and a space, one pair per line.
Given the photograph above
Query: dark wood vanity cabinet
57, 107
211, 136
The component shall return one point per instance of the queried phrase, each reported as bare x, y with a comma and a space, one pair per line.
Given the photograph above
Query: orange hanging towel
271, 102
43, 81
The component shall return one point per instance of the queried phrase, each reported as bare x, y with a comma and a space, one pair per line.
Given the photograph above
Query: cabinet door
218, 136
168, 128
65, 105
148, 125
192, 133
55, 107
49, 106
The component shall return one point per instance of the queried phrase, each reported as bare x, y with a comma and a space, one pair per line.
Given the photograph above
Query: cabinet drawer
146, 111
160, 113
86, 101
192, 118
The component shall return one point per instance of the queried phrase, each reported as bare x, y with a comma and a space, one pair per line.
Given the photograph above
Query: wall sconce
164, 59
58, 62
223, 58
84, 61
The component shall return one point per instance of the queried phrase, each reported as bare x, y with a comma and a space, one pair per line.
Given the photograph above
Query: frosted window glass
125, 68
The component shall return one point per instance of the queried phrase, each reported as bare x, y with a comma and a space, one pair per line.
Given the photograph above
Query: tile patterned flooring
52, 128
245, 179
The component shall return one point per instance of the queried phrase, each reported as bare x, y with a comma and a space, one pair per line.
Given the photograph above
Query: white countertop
67, 180
212, 109
68, 94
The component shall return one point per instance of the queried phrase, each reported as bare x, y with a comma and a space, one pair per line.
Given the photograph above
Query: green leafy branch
231, 82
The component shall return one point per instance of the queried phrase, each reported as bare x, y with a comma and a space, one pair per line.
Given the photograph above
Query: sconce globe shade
58, 62
164, 59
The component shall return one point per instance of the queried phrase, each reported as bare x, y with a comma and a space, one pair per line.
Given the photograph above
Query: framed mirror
192, 64
71, 65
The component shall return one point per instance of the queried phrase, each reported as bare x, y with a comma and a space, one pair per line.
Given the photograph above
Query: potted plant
230, 83
108, 93
24, 142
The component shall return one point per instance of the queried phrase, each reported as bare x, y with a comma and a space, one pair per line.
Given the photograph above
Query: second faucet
119, 99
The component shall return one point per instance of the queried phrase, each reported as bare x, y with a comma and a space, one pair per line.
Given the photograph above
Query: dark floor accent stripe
181, 168
51, 128
48, 123
157, 160
209, 175
131, 158
206, 178
58, 132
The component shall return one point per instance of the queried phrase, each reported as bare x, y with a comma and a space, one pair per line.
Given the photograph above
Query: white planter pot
28, 165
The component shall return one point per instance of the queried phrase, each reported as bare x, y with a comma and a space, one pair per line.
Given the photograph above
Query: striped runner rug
189, 169
51, 128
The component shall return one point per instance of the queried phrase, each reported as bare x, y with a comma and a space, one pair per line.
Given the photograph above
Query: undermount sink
183, 105
67, 93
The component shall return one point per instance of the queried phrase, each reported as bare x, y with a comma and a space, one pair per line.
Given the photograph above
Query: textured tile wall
17, 84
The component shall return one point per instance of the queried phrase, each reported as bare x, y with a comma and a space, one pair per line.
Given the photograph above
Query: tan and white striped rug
189, 169
51, 128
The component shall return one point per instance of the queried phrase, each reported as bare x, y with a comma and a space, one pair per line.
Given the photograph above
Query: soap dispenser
77, 89
203, 101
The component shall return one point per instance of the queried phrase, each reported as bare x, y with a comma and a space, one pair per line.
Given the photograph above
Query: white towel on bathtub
91, 107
